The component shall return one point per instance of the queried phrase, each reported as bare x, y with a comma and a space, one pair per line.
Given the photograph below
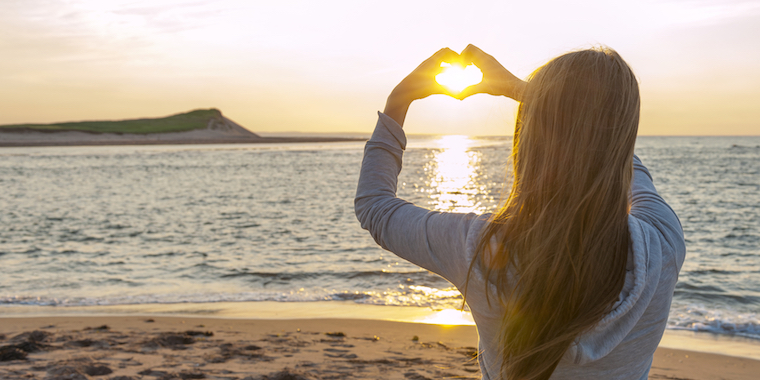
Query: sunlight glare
449, 317
453, 183
456, 78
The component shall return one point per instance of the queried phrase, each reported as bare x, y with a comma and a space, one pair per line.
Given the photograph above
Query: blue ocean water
164, 224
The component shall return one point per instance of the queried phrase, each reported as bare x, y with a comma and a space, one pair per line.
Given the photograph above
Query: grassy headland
203, 126
181, 122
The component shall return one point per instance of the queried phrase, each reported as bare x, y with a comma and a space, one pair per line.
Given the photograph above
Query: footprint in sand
338, 353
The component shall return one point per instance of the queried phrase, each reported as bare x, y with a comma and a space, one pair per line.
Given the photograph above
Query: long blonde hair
557, 249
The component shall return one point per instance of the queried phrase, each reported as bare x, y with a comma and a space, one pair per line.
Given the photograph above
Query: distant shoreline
202, 126
127, 141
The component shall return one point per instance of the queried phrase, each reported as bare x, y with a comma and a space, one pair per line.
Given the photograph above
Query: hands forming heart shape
459, 75
446, 72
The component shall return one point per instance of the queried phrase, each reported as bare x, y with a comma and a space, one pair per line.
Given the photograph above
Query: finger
470, 49
475, 55
443, 55
433, 63
446, 55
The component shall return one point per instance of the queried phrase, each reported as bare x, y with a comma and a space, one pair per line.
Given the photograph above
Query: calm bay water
164, 224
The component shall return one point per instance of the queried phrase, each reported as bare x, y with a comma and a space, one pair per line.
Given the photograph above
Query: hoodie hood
641, 279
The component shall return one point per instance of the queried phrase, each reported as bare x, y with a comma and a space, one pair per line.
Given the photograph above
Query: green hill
187, 121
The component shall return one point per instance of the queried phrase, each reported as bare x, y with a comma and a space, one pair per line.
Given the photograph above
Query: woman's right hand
419, 85
496, 79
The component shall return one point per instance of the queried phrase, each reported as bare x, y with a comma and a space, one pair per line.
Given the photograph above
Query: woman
573, 277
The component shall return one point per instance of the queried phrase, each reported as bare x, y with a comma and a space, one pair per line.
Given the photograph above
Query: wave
713, 294
412, 295
729, 321
375, 278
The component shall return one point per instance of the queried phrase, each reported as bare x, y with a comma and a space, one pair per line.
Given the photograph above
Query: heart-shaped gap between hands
456, 77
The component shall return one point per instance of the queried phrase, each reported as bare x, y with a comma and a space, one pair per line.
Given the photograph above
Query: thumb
443, 55
480, 88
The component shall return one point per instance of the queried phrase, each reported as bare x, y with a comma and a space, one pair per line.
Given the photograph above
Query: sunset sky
328, 66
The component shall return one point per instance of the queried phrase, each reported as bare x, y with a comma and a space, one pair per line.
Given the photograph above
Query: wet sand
140, 347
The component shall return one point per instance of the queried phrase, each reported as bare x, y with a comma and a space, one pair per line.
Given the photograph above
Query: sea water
133, 225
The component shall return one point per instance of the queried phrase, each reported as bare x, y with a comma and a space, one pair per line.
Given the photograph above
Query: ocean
126, 225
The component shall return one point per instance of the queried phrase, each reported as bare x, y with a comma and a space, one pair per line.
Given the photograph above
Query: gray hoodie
621, 346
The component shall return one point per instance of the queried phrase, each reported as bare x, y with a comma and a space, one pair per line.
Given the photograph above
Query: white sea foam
698, 317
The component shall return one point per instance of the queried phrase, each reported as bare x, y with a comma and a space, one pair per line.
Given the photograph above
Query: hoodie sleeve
433, 240
649, 207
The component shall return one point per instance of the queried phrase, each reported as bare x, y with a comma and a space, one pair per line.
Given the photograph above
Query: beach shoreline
155, 347
697, 341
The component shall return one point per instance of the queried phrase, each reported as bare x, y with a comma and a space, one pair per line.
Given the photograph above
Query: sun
456, 77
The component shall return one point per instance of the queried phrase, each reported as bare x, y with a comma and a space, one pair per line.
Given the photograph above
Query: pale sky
328, 66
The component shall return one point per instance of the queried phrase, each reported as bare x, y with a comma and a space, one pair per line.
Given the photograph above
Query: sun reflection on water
452, 174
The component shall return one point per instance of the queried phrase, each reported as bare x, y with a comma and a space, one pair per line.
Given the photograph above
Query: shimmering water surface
162, 224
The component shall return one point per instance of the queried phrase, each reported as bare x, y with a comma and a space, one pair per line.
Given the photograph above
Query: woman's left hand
496, 79
419, 85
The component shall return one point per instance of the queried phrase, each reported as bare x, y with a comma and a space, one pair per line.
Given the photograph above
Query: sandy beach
160, 347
